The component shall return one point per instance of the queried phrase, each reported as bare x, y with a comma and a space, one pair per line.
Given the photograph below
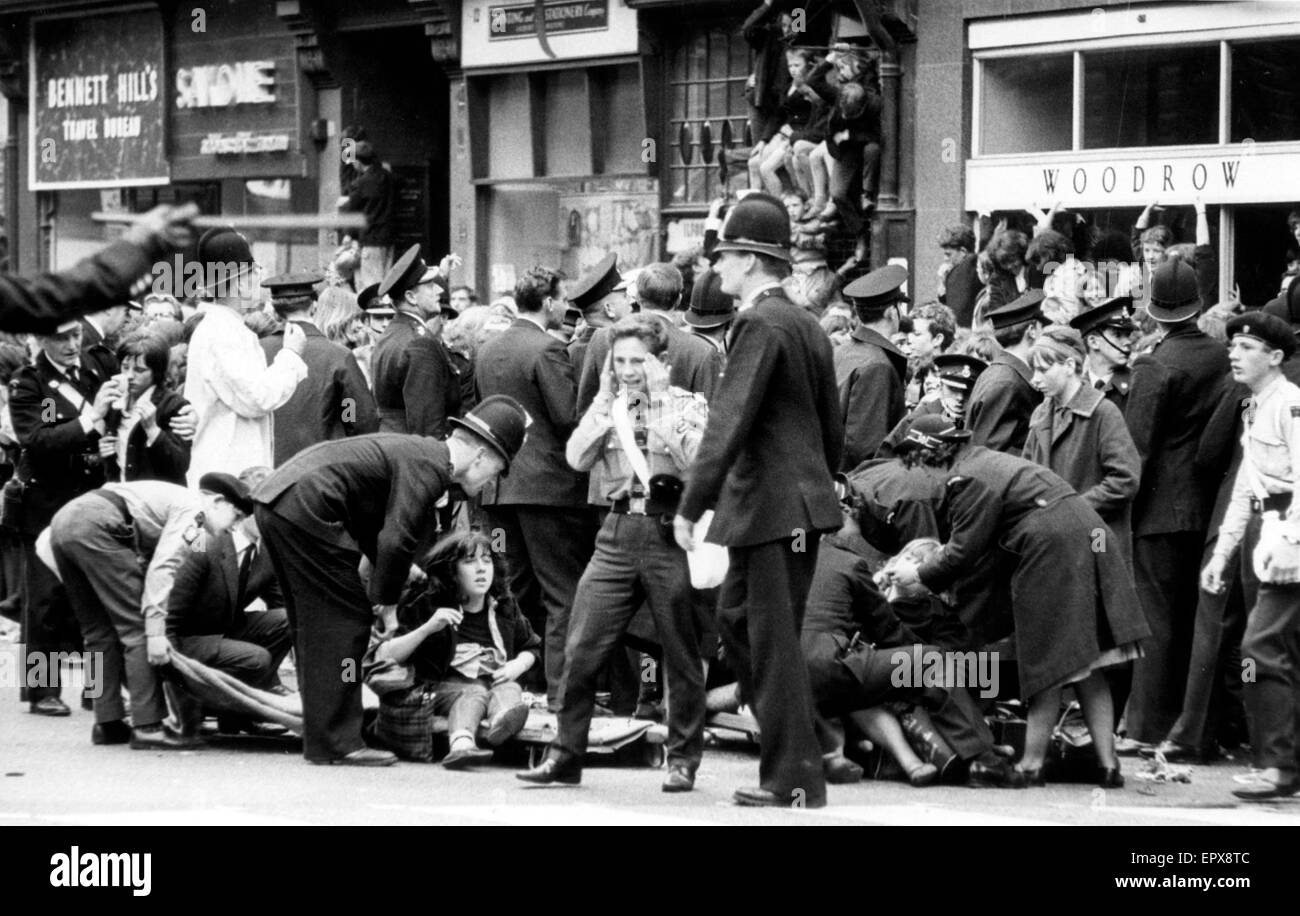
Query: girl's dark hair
152, 349
450, 550
941, 457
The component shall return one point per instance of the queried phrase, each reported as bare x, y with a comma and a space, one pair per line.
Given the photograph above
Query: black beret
1273, 331
231, 487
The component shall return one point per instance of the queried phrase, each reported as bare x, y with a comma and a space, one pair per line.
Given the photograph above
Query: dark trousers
856, 171
839, 689
48, 623
1220, 622
1167, 584
1272, 689
94, 548
331, 618
251, 652
547, 548
760, 614
635, 561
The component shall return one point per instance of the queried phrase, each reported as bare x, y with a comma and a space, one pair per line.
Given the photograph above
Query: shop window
1266, 91
1151, 97
1026, 105
617, 120
510, 148
566, 126
708, 114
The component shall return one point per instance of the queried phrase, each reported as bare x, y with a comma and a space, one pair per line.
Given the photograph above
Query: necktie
245, 566
1099, 384
1251, 408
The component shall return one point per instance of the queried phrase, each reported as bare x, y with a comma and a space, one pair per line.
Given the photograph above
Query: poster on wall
97, 102
601, 216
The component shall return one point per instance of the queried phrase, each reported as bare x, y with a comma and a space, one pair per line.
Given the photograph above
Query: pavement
51, 774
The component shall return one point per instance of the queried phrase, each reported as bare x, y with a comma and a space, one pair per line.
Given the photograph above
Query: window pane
1026, 105
717, 99
713, 92
1151, 97
717, 55
1266, 91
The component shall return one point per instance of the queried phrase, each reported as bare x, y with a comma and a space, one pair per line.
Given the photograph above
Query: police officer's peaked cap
231, 487
1114, 313
959, 369
292, 288
1174, 296
877, 291
501, 422
1028, 306
596, 284
932, 430
369, 300
1273, 331
758, 223
408, 272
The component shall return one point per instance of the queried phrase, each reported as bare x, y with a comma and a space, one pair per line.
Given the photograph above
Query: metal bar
255, 221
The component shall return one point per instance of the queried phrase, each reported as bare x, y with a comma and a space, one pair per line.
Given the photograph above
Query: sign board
232, 95
1240, 173
97, 95
497, 33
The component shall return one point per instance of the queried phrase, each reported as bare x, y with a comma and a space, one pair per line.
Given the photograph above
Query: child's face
797, 66
474, 574
794, 207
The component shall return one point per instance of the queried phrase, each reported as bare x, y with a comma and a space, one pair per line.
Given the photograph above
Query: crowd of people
475, 509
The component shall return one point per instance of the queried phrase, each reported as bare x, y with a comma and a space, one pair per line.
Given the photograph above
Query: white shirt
235, 393
129, 421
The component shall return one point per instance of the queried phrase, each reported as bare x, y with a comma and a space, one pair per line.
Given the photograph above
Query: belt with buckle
1274, 502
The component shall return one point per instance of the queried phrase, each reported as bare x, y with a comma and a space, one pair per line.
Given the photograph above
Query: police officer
1003, 399
1266, 482
59, 407
638, 438
870, 371
379, 310
957, 374
602, 300
417, 388
371, 496
1174, 392
334, 400
1108, 334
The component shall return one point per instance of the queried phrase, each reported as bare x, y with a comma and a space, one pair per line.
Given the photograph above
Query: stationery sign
520, 19
98, 94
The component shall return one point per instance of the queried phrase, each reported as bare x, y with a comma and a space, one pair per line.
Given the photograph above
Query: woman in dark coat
1081, 436
1074, 607
142, 445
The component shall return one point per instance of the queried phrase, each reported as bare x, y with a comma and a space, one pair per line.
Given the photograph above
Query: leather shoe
924, 774
1127, 747
761, 798
564, 770
1110, 777
162, 739
999, 775
506, 724
465, 757
110, 733
240, 726
681, 778
364, 757
50, 706
1268, 784
840, 770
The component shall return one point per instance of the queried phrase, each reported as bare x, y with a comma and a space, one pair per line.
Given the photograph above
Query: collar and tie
245, 568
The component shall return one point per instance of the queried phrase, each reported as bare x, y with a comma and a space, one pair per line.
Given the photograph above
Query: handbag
384, 675
405, 723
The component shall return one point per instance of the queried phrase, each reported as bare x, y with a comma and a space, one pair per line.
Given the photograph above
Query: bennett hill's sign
1240, 173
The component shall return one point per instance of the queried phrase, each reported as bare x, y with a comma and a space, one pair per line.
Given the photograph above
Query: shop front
1108, 111
551, 141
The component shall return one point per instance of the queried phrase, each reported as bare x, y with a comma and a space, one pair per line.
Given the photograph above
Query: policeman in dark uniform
602, 300
371, 496
334, 400
58, 406
870, 371
957, 374
1175, 391
1107, 332
1003, 398
417, 388
379, 311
